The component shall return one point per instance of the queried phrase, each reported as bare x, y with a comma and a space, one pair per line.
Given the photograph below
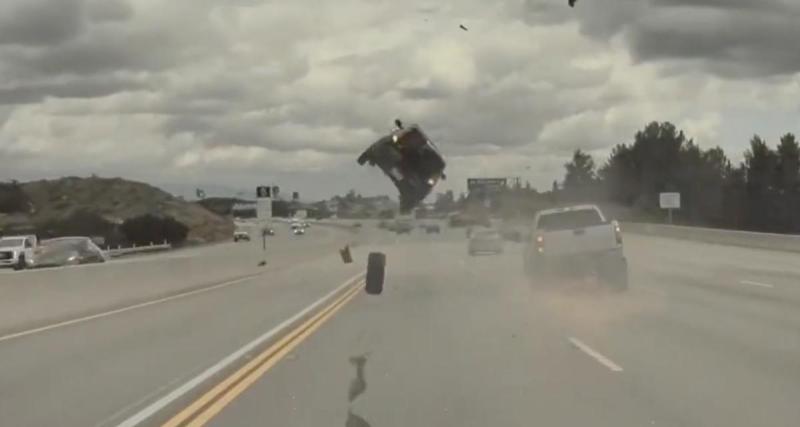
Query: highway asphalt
40, 297
706, 336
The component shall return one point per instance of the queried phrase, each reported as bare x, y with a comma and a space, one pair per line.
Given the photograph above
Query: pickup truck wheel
376, 270
20, 265
615, 274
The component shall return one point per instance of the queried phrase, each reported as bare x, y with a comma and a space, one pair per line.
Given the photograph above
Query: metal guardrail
118, 252
780, 242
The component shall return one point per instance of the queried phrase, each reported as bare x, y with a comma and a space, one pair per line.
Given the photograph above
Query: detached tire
376, 271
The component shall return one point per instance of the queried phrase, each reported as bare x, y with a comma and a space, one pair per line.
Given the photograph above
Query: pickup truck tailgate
579, 240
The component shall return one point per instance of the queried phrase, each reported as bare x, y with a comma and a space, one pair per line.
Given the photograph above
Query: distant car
403, 226
485, 241
17, 251
432, 228
269, 231
468, 220
300, 231
239, 236
511, 232
410, 160
64, 251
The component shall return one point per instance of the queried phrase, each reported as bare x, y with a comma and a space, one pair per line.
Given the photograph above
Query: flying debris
465, 28
410, 160
572, 3
347, 257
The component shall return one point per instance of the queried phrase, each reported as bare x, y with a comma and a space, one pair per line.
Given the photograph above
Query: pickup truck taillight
540, 244
618, 233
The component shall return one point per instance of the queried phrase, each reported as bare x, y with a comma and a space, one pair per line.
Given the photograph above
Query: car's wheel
615, 274
376, 270
363, 157
20, 265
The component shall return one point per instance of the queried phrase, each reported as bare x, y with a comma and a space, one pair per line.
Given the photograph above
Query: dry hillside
116, 199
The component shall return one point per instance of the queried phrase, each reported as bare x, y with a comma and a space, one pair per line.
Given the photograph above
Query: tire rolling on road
376, 268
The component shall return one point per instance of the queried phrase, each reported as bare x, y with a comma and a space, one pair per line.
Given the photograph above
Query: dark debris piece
359, 384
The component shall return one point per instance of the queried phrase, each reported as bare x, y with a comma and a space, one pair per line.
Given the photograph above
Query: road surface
707, 336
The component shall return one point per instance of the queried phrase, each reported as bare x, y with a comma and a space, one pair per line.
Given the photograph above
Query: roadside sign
670, 200
265, 195
264, 209
486, 185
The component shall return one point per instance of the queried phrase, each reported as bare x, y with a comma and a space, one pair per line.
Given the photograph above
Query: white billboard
264, 196
264, 209
670, 200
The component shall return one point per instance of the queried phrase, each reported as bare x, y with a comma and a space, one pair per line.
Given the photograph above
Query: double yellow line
215, 400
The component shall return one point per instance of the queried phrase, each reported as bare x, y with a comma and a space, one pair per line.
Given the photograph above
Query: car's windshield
10, 243
569, 220
65, 244
354, 213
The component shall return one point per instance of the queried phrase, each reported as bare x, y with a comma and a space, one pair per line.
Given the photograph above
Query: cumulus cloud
730, 38
241, 92
40, 22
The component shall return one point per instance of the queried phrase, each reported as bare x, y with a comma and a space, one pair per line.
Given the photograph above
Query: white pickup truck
17, 251
576, 239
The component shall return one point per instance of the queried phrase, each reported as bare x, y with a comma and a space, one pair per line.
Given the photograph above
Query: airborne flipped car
410, 160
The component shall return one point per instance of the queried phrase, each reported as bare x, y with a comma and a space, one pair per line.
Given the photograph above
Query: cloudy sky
227, 94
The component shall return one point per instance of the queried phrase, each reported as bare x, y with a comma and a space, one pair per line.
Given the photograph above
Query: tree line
761, 193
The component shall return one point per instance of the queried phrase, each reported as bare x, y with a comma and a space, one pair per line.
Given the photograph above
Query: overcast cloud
230, 94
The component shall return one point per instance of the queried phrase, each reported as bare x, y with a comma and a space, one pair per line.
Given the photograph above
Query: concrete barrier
781, 242
118, 252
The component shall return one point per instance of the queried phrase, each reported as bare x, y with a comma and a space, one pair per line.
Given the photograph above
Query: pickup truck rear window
569, 220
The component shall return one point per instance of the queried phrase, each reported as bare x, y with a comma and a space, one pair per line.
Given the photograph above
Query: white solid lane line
759, 284
190, 385
124, 309
608, 363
